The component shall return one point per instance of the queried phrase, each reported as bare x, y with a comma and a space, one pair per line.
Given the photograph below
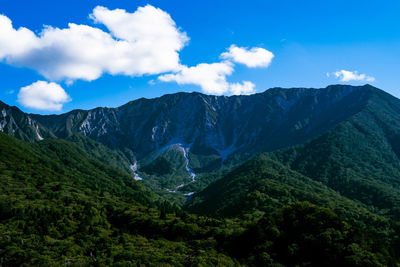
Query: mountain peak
266, 121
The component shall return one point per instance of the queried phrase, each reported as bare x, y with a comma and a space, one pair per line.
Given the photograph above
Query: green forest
61, 206
323, 193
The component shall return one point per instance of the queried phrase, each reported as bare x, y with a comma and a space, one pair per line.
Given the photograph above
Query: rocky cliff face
20, 125
206, 125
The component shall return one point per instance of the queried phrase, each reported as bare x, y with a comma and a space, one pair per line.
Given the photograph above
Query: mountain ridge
216, 131
286, 173
358, 158
172, 97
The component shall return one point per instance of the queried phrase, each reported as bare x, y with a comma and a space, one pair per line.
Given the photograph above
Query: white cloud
245, 88
43, 95
15, 42
347, 76
254, 57
210, 77
144, 42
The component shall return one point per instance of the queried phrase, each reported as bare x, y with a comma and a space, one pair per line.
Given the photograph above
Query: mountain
288, 177
222, 124
214, 131
16, 123
358, 157
352, 168
196, 134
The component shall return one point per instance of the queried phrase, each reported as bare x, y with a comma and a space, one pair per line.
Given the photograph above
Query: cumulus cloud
15, 42
210, 77
43, 95
245, 88
347, 76
144, 42
254, 57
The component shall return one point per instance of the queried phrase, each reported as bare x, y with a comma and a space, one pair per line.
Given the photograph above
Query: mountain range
262, 122
212, 129
217, 168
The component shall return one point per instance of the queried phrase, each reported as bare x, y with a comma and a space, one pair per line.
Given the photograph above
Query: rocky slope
214, 131
261, 122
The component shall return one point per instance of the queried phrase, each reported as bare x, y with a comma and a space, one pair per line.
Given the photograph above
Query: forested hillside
61, 206
311, 180
215, 131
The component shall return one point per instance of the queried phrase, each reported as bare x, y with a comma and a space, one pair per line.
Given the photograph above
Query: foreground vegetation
59, 205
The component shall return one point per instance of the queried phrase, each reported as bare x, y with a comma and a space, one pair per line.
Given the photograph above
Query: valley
196, 179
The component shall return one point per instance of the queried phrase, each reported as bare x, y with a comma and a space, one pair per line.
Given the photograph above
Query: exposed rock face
209, 125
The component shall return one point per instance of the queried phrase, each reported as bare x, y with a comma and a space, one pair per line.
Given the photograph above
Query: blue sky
308, 39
